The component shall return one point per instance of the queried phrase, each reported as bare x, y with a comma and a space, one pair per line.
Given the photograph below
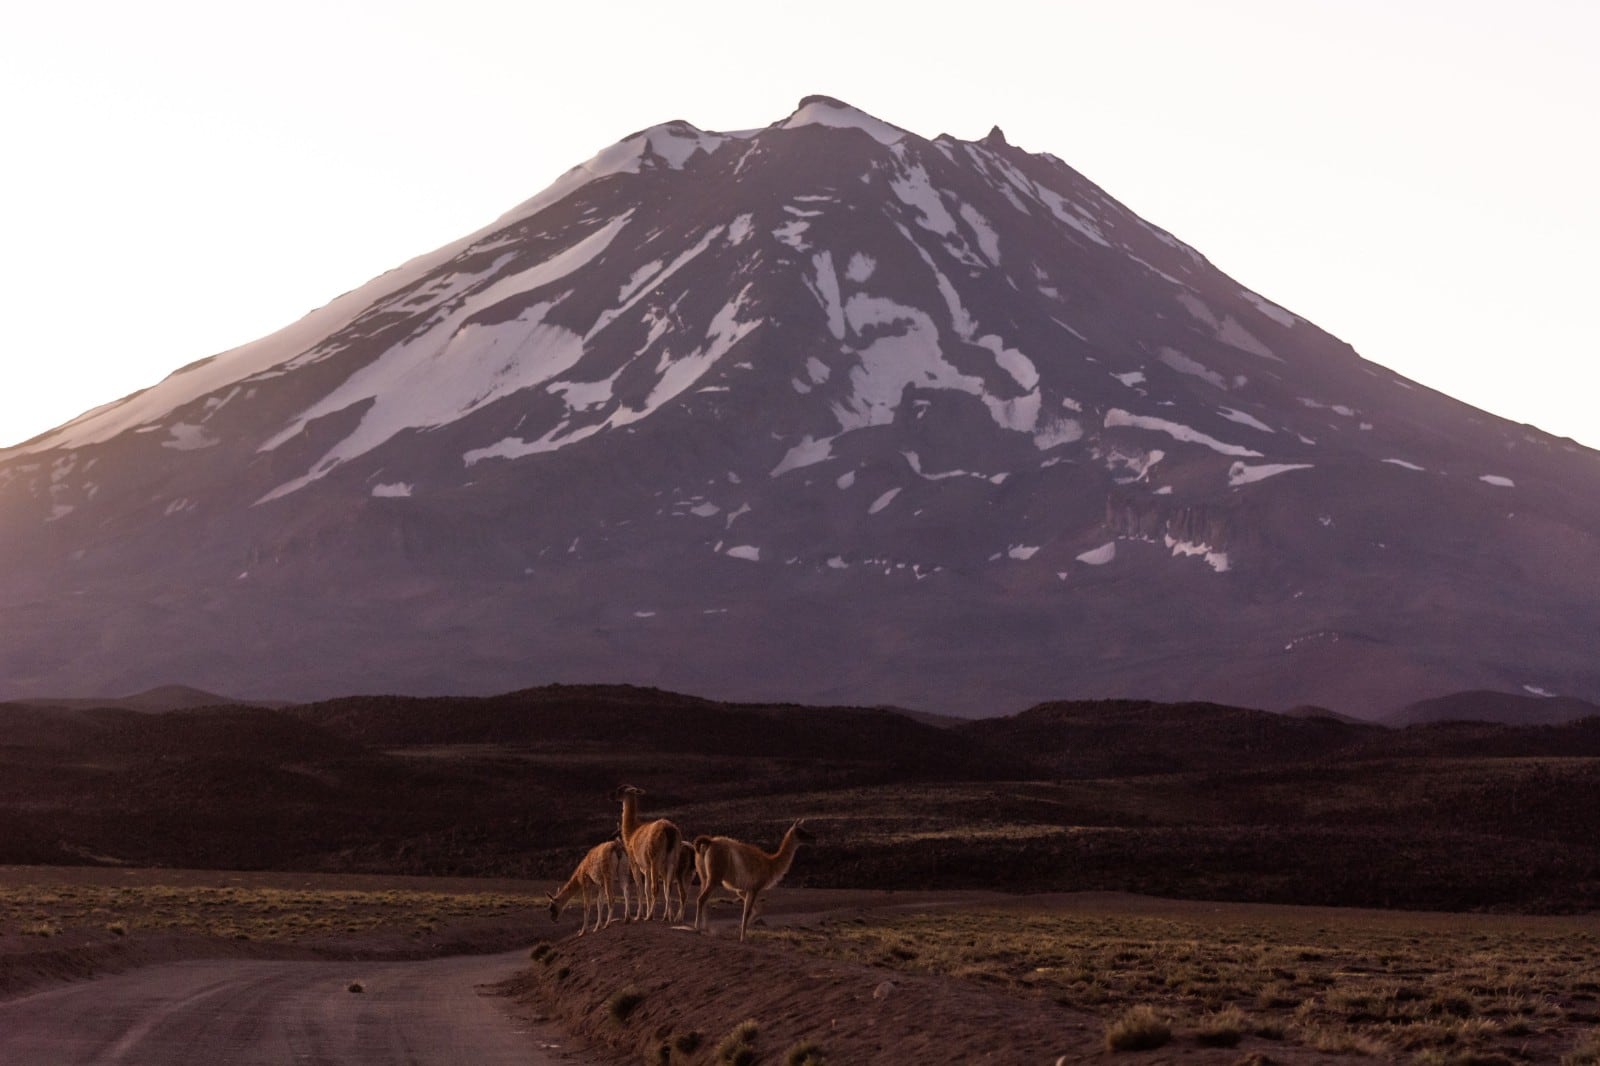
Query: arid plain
1205, 883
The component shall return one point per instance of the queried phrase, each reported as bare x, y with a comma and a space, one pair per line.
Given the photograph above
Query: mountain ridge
822, 411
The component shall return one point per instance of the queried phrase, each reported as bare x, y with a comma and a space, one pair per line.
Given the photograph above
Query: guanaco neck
630, 815
568, 890
785, 854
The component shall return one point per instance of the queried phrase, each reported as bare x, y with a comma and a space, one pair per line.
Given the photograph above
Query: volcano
826, 412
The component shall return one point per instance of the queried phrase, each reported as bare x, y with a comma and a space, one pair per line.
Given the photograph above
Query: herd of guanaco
653, 859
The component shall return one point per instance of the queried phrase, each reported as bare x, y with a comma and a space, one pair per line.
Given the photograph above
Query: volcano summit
824, 411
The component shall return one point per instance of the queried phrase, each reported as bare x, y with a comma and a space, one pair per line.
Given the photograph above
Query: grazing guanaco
652, 849
600, 869
744, 868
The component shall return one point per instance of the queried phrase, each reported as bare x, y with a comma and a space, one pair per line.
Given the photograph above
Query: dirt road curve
283, 1014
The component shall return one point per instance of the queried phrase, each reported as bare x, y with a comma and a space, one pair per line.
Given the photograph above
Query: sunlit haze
1416, 178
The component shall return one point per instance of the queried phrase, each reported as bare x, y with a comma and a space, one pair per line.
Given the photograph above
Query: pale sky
1417, 178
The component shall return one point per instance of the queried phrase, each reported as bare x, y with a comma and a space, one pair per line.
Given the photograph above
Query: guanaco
600, 869
652, 849
744, 868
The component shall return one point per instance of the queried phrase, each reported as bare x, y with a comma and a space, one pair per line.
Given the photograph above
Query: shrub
805, 1053
1461, 1058
622, 1003
738, 1047
1222, 1029
1586, 1053
1137, 1029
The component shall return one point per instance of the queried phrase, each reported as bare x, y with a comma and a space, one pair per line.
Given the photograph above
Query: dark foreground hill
1202, 801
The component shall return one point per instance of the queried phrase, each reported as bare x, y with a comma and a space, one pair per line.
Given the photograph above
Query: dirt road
284, 1014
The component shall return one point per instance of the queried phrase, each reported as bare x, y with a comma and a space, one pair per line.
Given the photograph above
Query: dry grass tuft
1586, 1052
738, 1048
1137, 1029
1392, 986
1225, 1028
623, 1003
805, 1053
273, 915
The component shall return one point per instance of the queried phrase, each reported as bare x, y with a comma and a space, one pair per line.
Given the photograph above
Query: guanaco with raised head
744, 868
652, 849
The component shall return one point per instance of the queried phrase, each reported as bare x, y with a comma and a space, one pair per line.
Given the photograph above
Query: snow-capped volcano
820, 411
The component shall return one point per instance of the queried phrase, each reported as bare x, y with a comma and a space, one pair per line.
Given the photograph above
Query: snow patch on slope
674, 376
672, 143
1184, 365
447, 372
808, 452
257, 360
1052, 431
1244, 419
821, 111
883, 501
1236, 335
1244, 474
725, 331
860, 268
1218, 561
910, 355
1099, 556
1176, 430
186, 437
988, 240
917, 192
644, 287
827, 289
1270, 309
